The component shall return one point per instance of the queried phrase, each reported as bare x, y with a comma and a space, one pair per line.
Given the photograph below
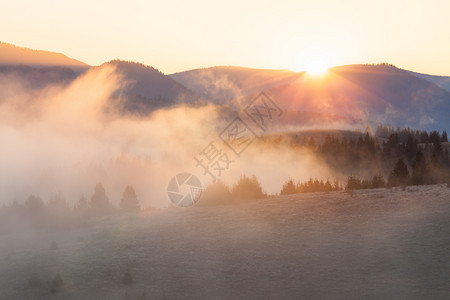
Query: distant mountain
346, 95
146, 88
441, 81
143, 88
20, 79
13, 55
387, 94
221, 84
366, 94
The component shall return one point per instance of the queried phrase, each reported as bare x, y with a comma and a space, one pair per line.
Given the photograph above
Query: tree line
396, 157
35, 212
404, 157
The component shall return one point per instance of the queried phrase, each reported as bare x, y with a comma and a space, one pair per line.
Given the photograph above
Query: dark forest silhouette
404, 157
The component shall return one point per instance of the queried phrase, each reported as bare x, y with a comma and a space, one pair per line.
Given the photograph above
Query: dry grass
378, 244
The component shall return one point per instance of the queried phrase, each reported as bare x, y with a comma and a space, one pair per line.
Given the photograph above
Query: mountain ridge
148, 88
14, 55
376, 93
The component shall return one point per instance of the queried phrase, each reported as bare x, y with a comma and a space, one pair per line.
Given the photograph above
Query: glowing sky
175, 35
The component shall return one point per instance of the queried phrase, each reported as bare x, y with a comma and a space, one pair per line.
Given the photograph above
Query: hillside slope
346, 96
222, 84
14, 55
367, 94
20, 79
146, 88
441, 81
379, 244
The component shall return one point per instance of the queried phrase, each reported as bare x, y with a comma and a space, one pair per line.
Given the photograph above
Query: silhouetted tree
34, 209
446, 158
216, 193
34, 204
424, 137
57, 203
312, 143
399, 175
336, 185
288, 188
435, 139
378, 181
99, 200
366, 184
328, 186
410, 148
436, 171
129, 200
82, 204
247, 188
353, 183
419, 170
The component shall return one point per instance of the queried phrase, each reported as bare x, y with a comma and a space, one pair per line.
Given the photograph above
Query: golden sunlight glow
314, 60
341, 32
316, 67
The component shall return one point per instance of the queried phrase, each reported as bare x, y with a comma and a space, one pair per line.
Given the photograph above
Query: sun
314, 61
316, 67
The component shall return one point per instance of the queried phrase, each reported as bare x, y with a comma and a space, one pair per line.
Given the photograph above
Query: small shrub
247, 188
216, 193
353, 183
366, 184
378, 181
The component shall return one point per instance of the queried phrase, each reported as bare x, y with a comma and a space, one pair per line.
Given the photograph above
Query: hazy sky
175, 35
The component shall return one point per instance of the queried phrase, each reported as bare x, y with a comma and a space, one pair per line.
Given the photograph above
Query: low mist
66, 138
